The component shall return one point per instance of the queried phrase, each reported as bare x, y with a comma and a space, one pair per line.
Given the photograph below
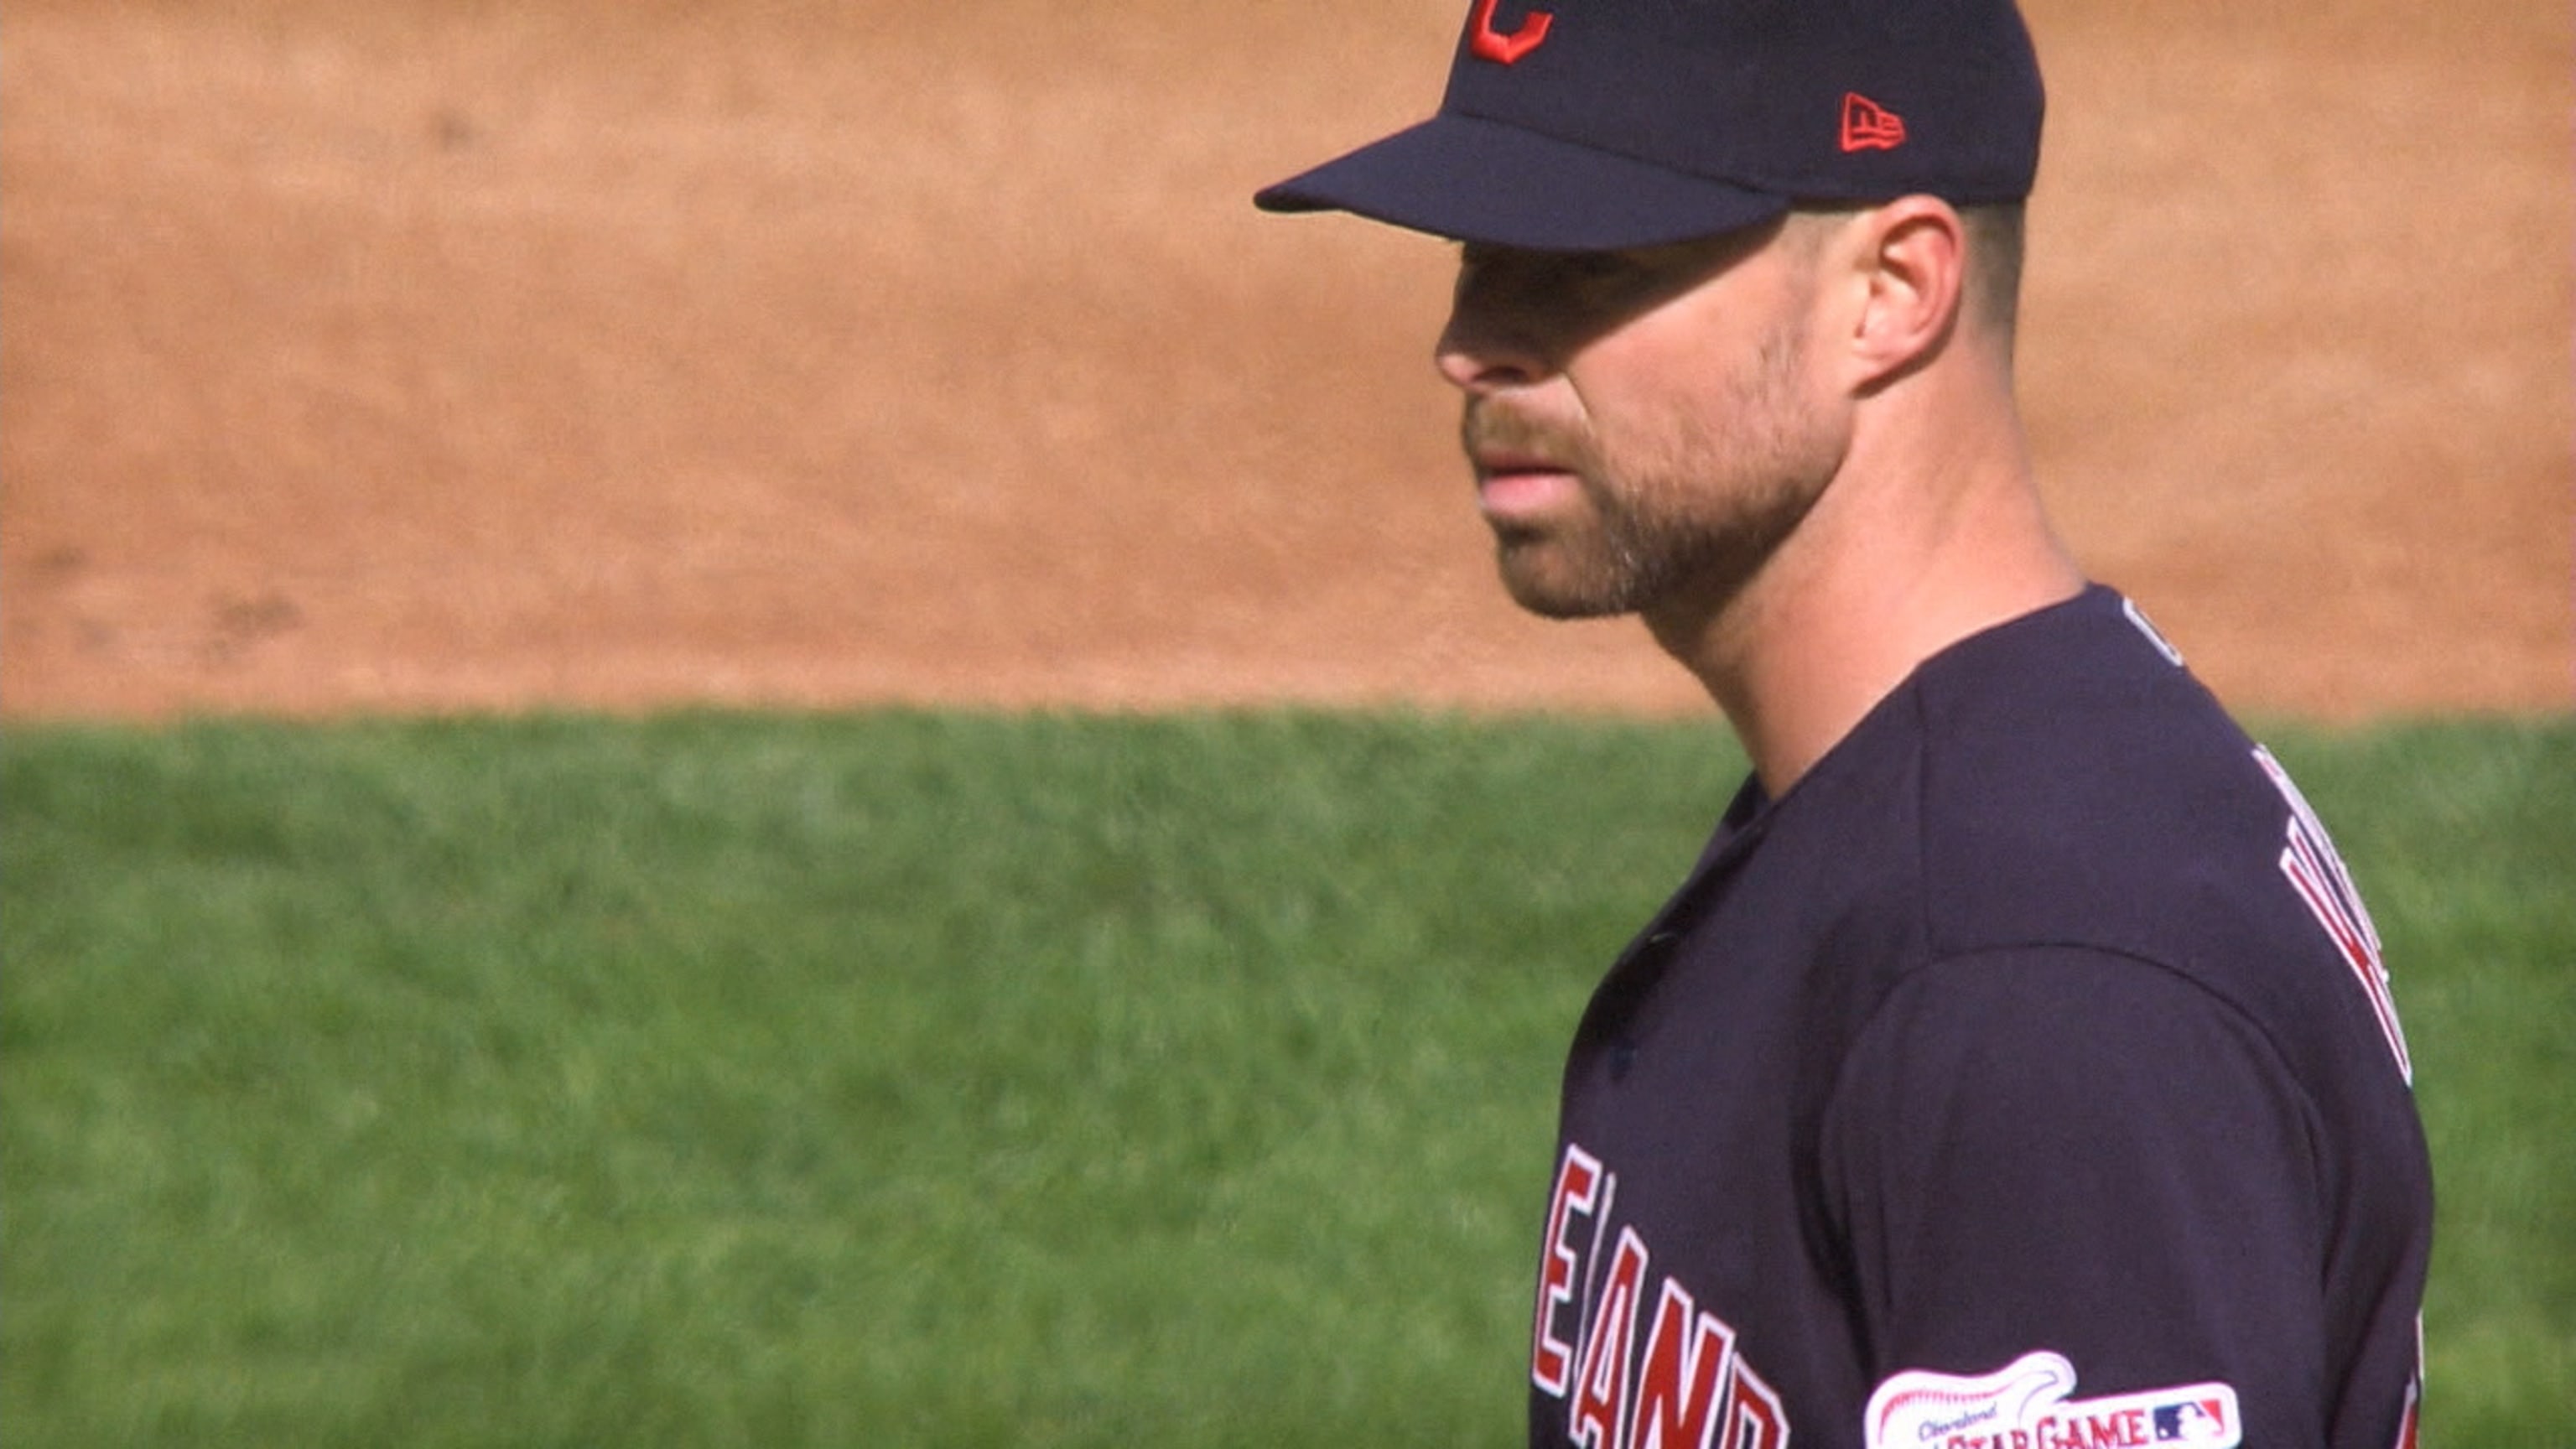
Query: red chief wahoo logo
1491, 44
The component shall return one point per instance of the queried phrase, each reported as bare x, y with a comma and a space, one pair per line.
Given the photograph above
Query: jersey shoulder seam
2280, 1059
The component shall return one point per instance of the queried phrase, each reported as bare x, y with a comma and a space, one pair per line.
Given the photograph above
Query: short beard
1694, 526
1659, 554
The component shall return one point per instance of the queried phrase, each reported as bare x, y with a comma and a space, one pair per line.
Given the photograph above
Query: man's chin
1545, 588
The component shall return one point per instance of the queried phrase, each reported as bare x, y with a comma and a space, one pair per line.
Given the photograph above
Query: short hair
1994, 237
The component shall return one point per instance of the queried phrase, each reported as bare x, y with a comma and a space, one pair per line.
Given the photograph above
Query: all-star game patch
2025, 1405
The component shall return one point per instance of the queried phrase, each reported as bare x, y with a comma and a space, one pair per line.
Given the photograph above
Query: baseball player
2016, 1069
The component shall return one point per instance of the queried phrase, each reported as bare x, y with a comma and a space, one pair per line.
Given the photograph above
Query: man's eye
1477, 257
1594, 266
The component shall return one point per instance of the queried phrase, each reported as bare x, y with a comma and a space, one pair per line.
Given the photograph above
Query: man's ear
1910, 262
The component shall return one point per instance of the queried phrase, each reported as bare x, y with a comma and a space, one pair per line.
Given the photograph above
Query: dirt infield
431, 354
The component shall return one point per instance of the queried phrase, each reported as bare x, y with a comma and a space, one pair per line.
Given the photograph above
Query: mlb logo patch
2194, 1421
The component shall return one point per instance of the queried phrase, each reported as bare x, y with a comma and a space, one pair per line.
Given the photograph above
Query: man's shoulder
2081, 791
2064, 782
2079, 786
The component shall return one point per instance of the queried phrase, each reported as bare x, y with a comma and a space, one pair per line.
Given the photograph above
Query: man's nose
1477, 352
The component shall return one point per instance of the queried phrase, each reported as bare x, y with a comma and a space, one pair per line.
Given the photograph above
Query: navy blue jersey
2025, 1077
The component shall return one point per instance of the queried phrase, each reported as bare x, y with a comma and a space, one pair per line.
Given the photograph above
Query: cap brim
1476, 180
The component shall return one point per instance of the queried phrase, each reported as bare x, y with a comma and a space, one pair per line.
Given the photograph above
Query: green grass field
953, 1080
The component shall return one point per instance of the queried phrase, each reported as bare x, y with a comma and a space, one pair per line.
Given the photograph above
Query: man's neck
1893, 565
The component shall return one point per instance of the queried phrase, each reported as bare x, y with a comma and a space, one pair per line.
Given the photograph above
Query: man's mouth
1522, 471
1517, 486
1492, 461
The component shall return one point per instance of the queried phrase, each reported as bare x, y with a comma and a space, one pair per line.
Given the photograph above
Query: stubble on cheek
1695, 507
1705, 514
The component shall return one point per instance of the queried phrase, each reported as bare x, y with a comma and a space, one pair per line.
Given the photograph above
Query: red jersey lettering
1600, 1406
1578, 1190
1682, 1382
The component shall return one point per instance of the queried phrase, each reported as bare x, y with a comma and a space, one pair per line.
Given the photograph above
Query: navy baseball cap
1581, 125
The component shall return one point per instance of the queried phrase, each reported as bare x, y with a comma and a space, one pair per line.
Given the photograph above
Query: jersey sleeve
2072, 1153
